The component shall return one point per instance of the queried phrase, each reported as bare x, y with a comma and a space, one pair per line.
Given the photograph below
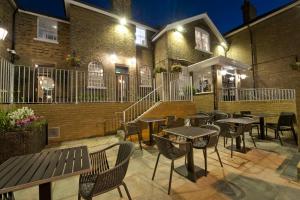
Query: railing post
76, 87
124, 117
163, 86
191, 89
11, 96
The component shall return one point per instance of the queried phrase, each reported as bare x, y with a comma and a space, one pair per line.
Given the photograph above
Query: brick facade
31, 51
277, 43
6, 20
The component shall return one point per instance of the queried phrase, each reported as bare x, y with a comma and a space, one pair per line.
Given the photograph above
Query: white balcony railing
256, 94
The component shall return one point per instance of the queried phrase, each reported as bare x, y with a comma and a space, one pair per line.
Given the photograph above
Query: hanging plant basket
177, 68
73, 60
159, 70
295, 66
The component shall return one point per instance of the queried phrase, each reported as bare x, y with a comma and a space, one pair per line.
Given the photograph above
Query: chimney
122, 7
249, 11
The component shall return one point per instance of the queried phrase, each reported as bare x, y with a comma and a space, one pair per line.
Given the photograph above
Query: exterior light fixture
231, 78
123, 21
223, 72
3, 33
113, 58
243, 76
133, 61
180, 29
36, 65
224, 45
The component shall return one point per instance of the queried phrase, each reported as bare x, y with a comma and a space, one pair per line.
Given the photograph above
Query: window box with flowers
21, 132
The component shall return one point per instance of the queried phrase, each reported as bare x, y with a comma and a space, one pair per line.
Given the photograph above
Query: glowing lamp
123, 21
113, 58
180, 29
223, 72
3, 33
243, 76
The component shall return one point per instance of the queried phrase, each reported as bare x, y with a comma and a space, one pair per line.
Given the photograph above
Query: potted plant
73, 60
22, 132
176, 68
159, 70
295, 66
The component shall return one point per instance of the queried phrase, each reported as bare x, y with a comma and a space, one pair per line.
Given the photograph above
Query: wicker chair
167, 148
209, 142
230, 132
134, 128
102, 178
162, 126
285, 123
217, 115
254, 125
248, 129
177, 123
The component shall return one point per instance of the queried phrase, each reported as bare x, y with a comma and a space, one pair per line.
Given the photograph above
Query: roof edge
189, 20
259, 20
112, 15
45, 16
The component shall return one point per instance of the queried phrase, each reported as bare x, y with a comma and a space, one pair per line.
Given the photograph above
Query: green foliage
295, 66
176, 68
159, 70
4, 121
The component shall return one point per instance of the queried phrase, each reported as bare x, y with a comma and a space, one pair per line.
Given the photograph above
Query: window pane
202, 40
141, 36
47, 29
145, 74
95, 75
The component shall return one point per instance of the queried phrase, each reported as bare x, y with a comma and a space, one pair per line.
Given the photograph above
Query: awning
218, 60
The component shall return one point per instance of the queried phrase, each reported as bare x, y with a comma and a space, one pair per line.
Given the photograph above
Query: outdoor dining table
150, 122
40, 169
191, 171
261, 117
240, 122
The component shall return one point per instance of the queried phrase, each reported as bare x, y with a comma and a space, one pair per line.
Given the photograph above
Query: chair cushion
86, 189
200, 144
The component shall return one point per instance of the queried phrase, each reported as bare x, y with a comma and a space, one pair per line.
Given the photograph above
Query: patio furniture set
175, 139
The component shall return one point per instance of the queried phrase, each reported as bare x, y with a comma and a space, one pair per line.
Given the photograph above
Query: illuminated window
202, 40
95, 75
145, 74
140, 37
203, 81
46, 29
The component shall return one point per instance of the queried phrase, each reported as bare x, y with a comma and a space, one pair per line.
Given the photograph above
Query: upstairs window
145, 74
202, 40
140, 36
95, 75
46, 29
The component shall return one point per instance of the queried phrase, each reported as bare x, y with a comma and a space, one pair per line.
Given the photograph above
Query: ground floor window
203, 81
145, 76
95, 75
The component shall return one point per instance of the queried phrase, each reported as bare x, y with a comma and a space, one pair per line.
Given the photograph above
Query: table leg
150, 133
238, 143
262, 128
45, 191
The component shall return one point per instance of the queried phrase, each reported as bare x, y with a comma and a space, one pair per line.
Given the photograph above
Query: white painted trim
82, 5
39, 15
203, 16
264, 18
13, 3
45, 40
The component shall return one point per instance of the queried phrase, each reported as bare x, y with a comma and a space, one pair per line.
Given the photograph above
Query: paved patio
268, 172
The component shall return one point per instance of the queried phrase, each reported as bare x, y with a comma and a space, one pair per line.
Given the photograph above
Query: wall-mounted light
223, 72
113, 58
123, 21
132, 61
3, 33
224, 45
231, 78
243, 76
180, 29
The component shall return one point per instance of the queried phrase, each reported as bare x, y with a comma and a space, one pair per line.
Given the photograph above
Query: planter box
18, 143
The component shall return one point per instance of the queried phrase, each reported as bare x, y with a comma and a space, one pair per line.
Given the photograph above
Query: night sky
226, 14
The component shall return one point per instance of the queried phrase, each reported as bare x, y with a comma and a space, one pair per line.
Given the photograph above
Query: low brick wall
77, 121
204, 102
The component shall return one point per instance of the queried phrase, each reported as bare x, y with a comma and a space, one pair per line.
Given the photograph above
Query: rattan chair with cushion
209, 142
285, 123
177, 123
229, 131
217, 115
133, 128
102, 178
169, 149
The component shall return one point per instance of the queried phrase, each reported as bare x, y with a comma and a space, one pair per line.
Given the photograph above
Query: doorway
122, 83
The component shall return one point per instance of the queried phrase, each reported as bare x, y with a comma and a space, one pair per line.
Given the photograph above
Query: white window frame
202, 31
202, 78
93, 74
136, 37
149, 76
42, 39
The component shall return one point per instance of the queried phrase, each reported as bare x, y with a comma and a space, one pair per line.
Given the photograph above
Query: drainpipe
13, 43
253, 56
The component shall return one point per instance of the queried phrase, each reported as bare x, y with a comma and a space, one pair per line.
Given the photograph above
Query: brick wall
78, 121
95, 36
204, 102
6, 20
277, 42
31, 51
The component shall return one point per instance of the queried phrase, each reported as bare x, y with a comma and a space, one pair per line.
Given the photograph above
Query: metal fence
23, 84
257, 94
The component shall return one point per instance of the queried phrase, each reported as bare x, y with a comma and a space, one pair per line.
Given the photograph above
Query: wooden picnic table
22, 172
190, 171
150, 122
